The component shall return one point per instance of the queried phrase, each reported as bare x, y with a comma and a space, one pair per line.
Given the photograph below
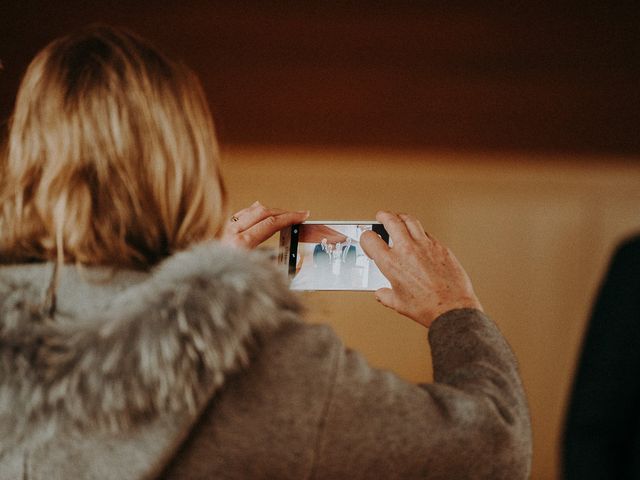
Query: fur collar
164, 345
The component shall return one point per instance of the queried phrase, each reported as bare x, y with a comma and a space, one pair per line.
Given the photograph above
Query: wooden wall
534, 232
528, 76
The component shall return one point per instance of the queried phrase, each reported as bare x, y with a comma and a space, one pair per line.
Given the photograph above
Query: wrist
444, 307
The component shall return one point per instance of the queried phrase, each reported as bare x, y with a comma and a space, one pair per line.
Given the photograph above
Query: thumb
386, 296
373, 245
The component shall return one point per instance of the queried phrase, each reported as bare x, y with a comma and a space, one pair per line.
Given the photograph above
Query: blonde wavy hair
111, 157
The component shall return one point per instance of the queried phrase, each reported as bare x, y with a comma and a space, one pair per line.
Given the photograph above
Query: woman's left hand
251, 226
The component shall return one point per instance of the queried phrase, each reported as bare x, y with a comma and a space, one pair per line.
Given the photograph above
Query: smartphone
326, 255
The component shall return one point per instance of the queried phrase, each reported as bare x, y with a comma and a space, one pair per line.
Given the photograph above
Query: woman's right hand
426, 278
251, 226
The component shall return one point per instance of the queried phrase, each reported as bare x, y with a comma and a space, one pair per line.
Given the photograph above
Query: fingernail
256, 203
304, 212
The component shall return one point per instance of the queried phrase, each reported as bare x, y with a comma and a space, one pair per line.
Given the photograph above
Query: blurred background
511, 131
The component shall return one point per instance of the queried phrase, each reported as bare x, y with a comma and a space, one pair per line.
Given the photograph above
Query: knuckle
243, 239
408, 248
271, 220
262, 210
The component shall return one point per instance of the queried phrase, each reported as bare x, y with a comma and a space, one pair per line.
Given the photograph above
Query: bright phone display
328, 256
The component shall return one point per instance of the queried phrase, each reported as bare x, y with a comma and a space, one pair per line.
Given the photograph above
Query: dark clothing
320, 257
602, 436
349, 255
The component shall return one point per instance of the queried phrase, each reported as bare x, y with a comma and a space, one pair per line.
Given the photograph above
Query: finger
374, 247
253, 206
414, 227
386, 296
254, 215
270, 225
395, 226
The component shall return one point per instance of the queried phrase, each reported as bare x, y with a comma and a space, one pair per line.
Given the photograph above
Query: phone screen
329, 257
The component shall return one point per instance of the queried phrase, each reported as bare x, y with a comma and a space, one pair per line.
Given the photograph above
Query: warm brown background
511, 131
534, 232
538, 75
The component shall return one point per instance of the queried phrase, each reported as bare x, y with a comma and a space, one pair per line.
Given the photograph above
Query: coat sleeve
602, 433
472, 422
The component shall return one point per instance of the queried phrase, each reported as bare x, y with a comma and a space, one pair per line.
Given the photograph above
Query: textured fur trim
165, 345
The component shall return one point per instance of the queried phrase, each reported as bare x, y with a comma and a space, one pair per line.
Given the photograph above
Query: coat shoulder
163, 345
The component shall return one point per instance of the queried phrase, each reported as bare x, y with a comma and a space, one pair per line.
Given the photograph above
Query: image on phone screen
329, 257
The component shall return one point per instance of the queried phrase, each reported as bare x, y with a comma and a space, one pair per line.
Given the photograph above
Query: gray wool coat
203, 368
